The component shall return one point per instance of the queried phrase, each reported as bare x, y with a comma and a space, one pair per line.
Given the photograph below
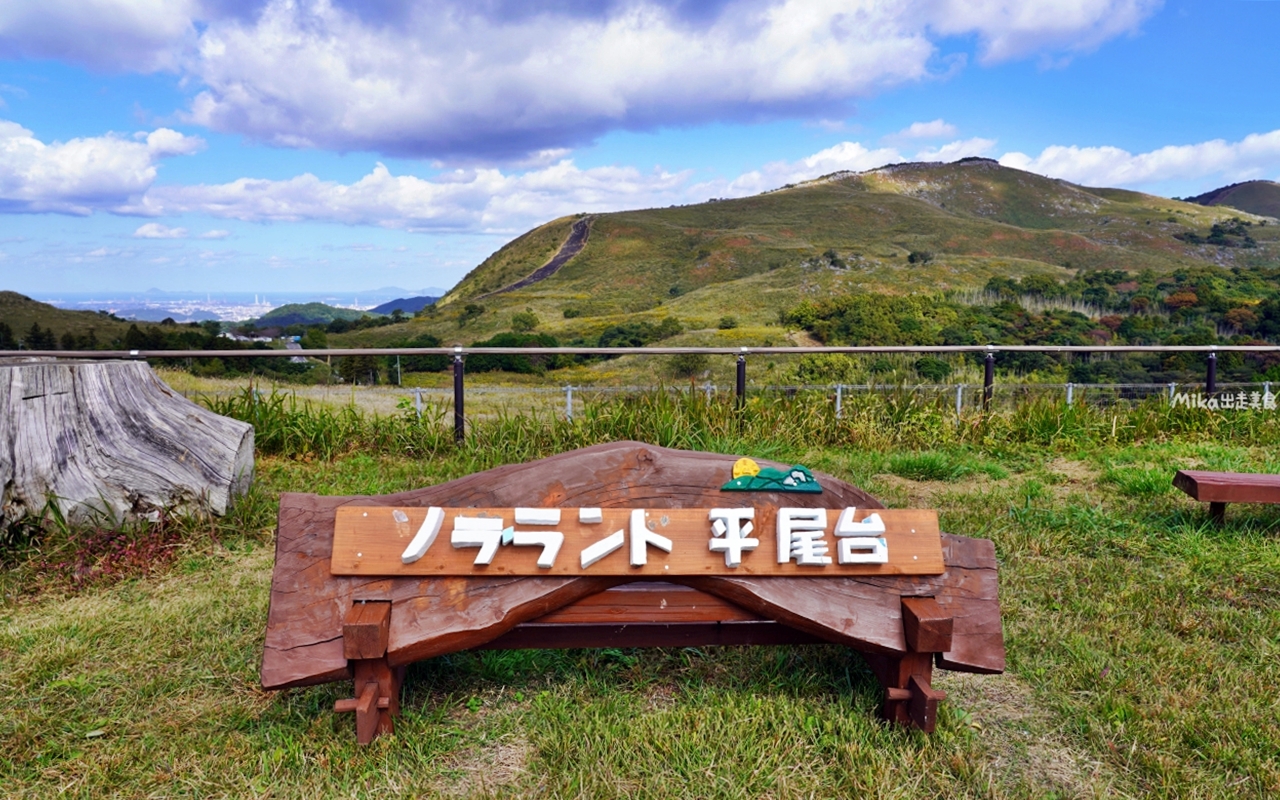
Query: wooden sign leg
365, 633
909, 697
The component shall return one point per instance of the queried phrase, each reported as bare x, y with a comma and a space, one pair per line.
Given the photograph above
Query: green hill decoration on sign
750, 477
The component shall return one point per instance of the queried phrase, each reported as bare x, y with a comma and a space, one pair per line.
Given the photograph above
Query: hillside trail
572, 246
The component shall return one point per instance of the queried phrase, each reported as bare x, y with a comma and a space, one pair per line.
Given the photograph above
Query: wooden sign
623, 545
637, 542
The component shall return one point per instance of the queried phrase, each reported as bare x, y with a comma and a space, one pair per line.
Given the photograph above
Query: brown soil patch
1075, 472
488, 770
1018, 735
924, 494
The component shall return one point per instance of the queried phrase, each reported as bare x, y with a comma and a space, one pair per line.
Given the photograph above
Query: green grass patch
933, 465
1144, 643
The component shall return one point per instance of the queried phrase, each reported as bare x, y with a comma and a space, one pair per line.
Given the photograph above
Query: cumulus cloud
214, 234
498, 79
1016, 28
846, 156
1255, 156
937, 129
141, 35
154, 230
470, 200
80, 176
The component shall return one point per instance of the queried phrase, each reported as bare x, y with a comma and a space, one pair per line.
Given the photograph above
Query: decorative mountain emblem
748, 476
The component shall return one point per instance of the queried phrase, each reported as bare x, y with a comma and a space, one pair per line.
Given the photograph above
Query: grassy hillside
902, 229
1255, 197
19, 312
308, 314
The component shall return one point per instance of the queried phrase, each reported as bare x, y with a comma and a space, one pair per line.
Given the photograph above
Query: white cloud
1255, 156
937, 129
214, 234
954, 151
1016, 28
477, 199
464, 80
81, 175
846, 156
141, 35
154, 230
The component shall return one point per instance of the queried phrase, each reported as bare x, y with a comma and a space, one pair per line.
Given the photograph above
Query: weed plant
880, 422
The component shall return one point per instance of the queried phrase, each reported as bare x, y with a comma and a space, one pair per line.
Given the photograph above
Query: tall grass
884, 422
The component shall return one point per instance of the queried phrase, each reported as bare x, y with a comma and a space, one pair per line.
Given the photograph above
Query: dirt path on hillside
571, 247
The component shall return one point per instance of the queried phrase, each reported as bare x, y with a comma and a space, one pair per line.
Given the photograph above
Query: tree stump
109, 440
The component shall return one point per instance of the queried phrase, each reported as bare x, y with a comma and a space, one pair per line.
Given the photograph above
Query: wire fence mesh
568, 399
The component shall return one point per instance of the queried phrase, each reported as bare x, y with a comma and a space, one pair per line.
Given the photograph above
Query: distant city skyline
271, 146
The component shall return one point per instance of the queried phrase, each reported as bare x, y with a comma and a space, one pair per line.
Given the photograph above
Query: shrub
826, 368
727, 323
689, 365
932, 369
524, 321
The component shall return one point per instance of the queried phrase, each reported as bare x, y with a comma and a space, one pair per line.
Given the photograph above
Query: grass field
1143, 643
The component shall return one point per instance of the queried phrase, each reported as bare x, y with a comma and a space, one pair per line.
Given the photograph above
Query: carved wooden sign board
655, 543
623, 545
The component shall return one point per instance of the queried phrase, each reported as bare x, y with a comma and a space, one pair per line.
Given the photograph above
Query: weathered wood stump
109, 440
324, 627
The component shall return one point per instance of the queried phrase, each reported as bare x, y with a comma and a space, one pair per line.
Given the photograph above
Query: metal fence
1252, 394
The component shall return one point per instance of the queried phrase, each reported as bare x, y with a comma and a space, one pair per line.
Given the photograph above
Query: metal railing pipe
625, 351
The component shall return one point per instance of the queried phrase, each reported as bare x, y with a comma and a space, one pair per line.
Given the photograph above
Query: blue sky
334, 145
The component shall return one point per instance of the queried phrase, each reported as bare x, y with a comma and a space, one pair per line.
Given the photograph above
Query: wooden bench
1219, 488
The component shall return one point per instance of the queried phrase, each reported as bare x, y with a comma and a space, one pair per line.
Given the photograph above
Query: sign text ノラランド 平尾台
738, 540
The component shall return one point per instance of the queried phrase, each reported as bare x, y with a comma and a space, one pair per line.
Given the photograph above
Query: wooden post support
927, 627
1218, 513
365, 633
909, 697
366, 630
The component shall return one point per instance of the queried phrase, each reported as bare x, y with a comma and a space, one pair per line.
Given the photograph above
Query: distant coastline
154, 306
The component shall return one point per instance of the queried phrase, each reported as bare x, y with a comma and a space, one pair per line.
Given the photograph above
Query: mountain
408, 305
1255, 197
307, 314
19, 311
906, 228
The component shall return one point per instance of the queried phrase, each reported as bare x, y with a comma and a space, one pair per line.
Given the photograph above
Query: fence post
1211, 376
397, 370
959, 401
839, 400
1173, 387
741, 388
1070, 393
988, 378
568, 402
459, 418
417, 402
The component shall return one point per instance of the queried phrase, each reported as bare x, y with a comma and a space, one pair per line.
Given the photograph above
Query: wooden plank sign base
370, 541
329, 623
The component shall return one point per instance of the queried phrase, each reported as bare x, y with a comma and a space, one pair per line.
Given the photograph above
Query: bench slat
1229, 487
